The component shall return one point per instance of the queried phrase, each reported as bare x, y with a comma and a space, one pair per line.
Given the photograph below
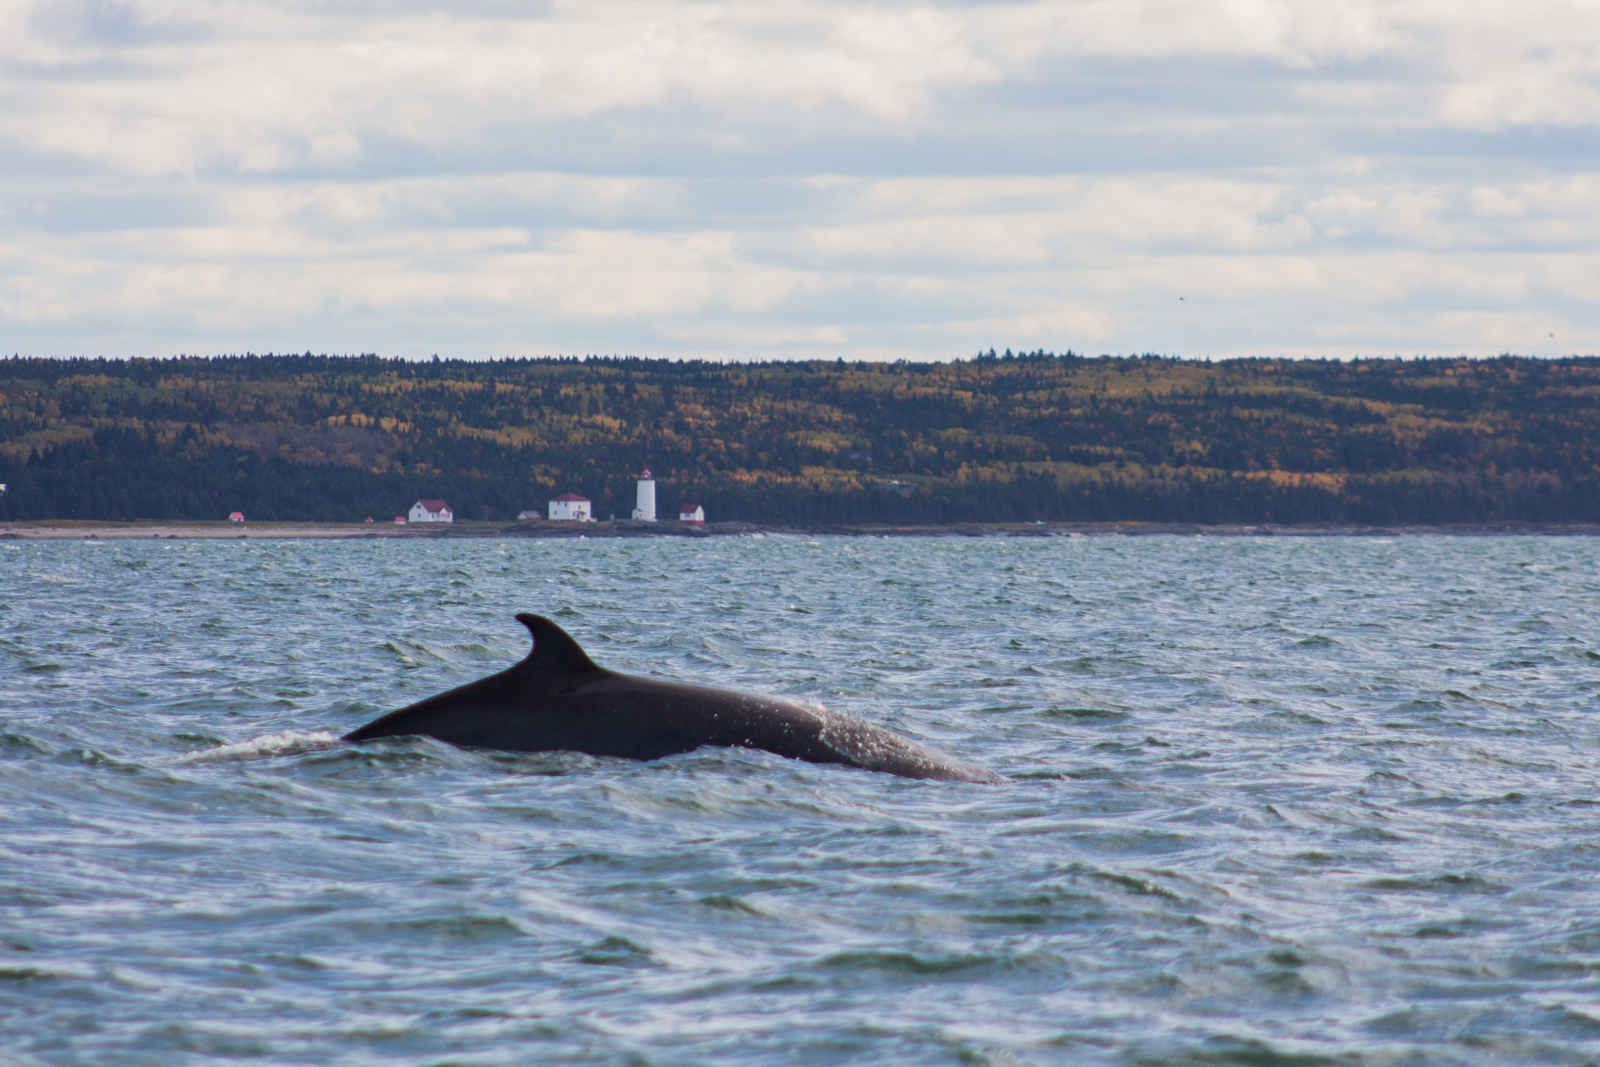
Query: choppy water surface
1270, 801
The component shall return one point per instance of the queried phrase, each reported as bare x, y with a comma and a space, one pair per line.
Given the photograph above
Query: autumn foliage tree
996, 438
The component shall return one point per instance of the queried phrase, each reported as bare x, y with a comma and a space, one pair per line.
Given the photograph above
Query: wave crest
289, 743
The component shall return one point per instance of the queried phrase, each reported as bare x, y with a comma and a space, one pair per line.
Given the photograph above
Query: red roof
686, 508
572, 498
434, 505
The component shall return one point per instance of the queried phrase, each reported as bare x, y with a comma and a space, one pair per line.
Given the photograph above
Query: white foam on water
284, 744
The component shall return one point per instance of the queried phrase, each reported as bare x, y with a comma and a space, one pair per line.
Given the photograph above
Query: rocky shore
88, 530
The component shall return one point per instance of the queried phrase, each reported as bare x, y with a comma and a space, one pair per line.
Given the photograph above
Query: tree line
1001, 437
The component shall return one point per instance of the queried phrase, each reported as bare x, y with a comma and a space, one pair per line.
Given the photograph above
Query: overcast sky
778, 179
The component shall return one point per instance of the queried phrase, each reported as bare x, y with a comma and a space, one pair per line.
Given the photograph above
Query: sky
793, 179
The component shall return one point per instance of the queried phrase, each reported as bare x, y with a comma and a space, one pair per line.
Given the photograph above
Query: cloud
800, 177
109, 24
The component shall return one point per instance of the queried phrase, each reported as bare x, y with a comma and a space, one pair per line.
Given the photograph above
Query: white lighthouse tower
644, 509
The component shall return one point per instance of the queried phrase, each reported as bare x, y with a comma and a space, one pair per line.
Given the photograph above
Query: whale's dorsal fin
554, 650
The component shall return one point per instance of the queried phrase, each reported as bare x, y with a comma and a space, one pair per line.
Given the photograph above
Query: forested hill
992, 439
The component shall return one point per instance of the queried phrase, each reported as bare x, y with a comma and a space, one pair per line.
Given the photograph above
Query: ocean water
1269, 801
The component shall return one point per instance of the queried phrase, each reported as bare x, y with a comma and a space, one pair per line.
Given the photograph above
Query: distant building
570, 507
692, 513
431, 511
236, 516
644, 509
399, 520
527, 513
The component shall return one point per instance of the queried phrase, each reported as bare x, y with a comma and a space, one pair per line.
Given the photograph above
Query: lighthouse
644, 508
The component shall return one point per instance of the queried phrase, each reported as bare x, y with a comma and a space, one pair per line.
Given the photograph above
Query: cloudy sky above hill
798, 178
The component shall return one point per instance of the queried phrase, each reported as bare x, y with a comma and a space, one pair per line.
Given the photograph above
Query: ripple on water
1277, 800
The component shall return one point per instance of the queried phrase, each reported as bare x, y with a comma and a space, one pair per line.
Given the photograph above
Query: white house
431, 511
644, 509
570, 507
692, 513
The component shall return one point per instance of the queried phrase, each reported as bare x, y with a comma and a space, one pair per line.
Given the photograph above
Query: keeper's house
431, 511
570, 507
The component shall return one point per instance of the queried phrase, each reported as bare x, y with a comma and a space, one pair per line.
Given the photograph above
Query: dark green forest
998, 438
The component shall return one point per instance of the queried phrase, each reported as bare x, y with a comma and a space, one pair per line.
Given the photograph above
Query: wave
283, 744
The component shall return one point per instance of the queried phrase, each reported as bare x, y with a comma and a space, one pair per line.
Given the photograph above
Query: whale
558, 700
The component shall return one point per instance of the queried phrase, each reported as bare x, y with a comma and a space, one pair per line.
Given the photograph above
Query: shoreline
95, 530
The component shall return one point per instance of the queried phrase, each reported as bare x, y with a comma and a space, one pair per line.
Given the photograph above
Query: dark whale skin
558, 700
